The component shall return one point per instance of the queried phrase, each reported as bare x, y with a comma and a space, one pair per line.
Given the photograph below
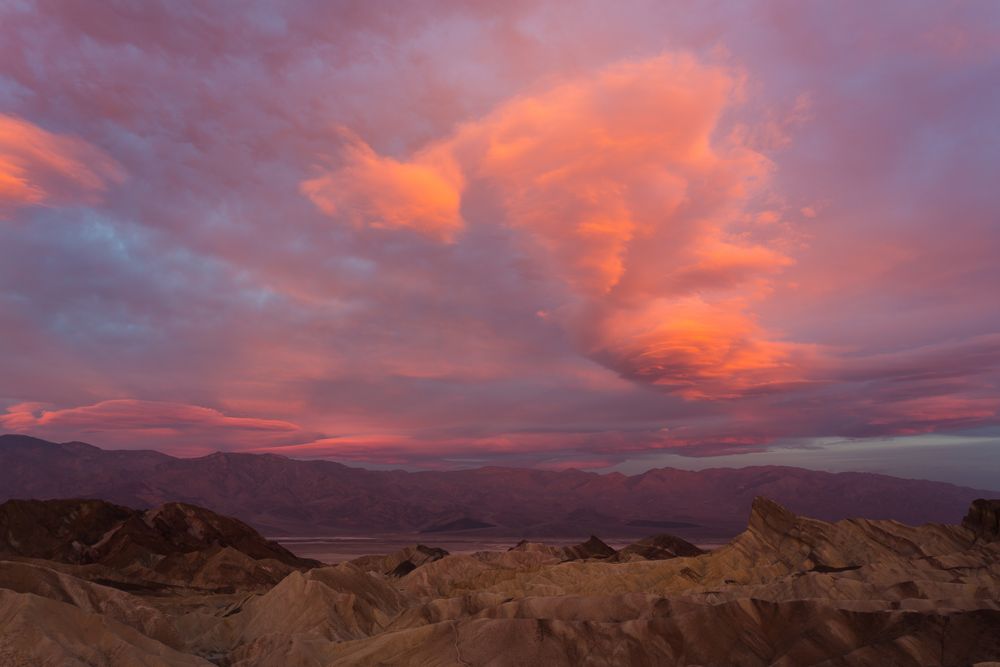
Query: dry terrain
92, 583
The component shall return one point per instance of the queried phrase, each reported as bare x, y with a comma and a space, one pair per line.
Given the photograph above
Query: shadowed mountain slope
172, 545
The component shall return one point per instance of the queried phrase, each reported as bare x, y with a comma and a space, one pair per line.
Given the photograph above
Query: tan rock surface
114, 604
40, 632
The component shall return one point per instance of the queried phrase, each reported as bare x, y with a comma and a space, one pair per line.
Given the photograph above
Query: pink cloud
932, 413
130, 424
39, 167
552, 450
554, 240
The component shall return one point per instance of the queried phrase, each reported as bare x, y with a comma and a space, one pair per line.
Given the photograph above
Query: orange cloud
622, 187
37, 167
369, 190
696, 348
593, 167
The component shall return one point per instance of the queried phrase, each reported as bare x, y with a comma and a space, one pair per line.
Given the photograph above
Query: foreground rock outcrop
789, 590
983, 519
172, 545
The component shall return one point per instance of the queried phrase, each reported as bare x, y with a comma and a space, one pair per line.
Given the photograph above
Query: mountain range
281, 496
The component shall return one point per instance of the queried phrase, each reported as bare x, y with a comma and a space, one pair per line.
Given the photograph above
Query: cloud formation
616, 187
422, 194
39, 167
186, 429
456, 234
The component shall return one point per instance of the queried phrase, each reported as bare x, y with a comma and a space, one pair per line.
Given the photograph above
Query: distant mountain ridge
282, 496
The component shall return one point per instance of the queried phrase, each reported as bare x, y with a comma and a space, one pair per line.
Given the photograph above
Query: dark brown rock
592, 548
402, 562
175, 545
658, 547
983, 519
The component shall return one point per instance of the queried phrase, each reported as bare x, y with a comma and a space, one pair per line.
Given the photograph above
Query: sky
551, 234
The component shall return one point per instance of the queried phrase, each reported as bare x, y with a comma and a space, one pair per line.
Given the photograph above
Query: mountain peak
767, 516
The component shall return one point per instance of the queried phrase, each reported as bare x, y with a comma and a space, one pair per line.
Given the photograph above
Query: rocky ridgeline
175, 544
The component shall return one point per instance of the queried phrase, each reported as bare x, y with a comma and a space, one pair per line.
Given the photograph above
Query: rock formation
983, 519
402, 562
593, 547
789, 590
657, 547
172, 545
